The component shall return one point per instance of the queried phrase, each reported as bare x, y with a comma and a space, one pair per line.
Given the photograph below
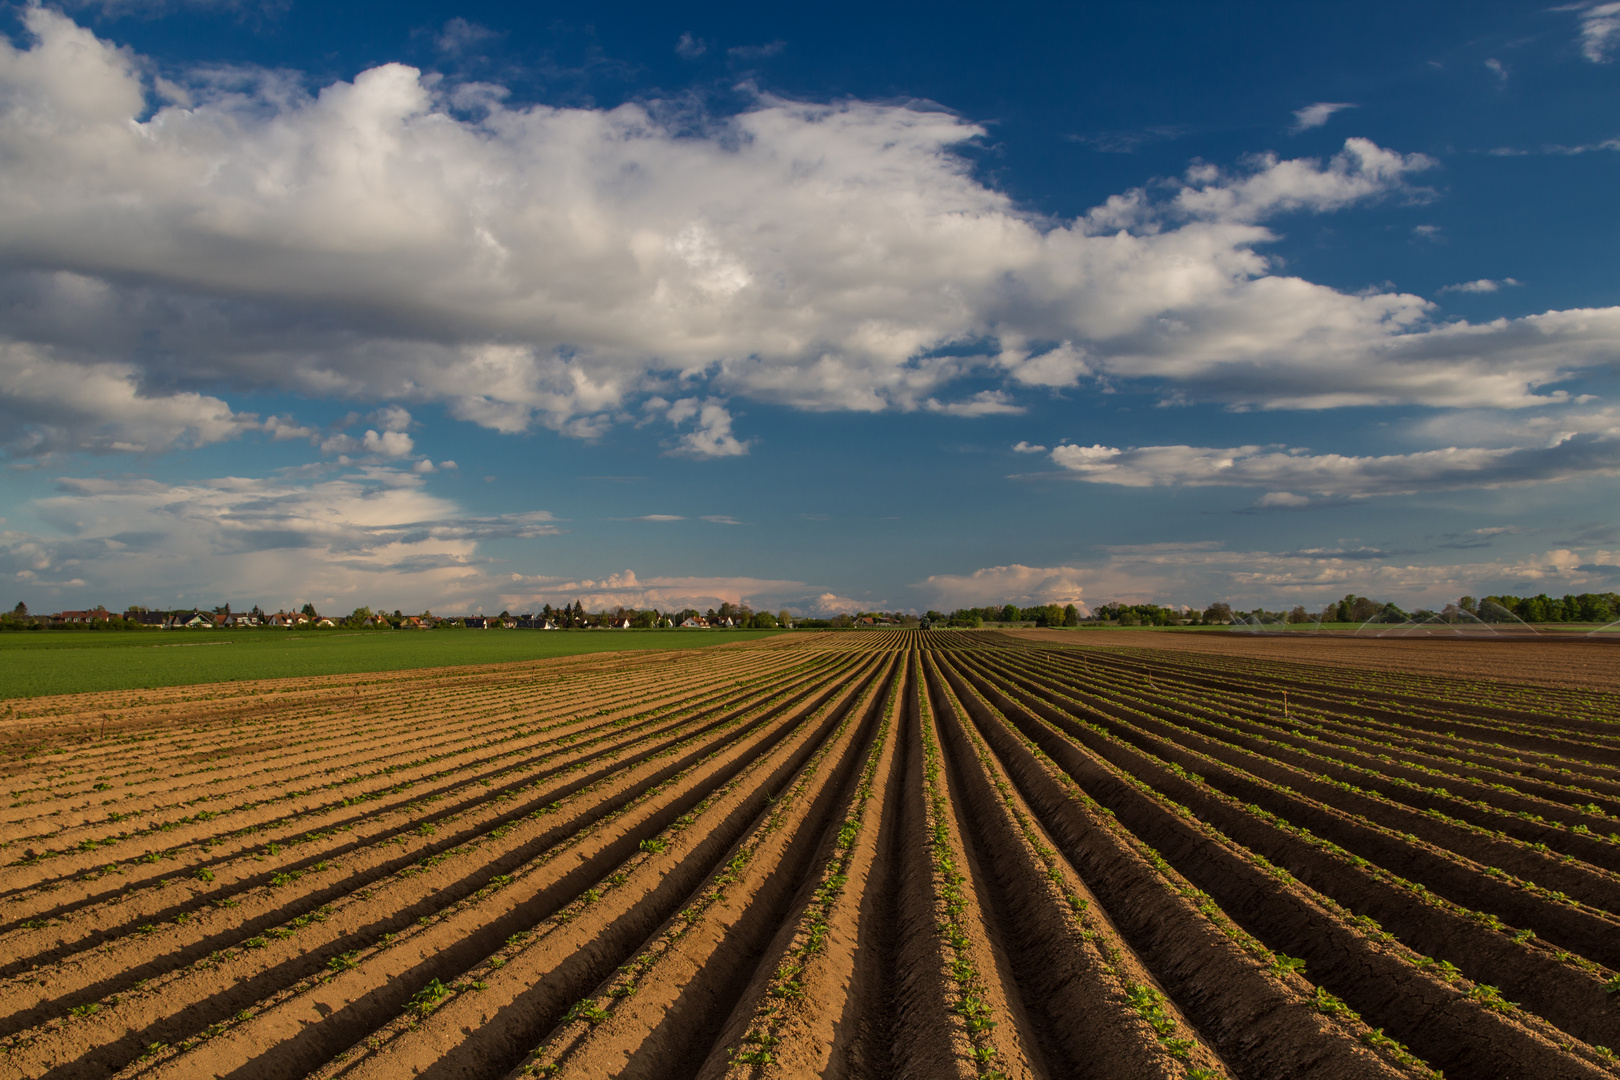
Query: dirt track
868, 855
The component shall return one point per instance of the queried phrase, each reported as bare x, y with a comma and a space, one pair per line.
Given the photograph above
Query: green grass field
54, 662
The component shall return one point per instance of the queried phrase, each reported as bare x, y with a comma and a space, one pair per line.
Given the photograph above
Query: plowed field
888, 854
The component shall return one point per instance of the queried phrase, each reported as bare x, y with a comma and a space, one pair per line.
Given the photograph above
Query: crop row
875, 854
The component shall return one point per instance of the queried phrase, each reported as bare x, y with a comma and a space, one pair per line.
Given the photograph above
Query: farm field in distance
1566, 660
879, 854
57, 662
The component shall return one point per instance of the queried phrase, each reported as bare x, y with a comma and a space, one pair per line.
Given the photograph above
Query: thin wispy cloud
1557, 149
1292, 474
1127, 142
1600, 30
1482, 285
751, 53
1314, 116
461, 36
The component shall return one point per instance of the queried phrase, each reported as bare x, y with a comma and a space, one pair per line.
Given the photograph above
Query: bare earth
1553, 661
902, 855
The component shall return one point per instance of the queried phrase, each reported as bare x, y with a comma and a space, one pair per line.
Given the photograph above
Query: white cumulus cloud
1015, 584
49, 404
400, 238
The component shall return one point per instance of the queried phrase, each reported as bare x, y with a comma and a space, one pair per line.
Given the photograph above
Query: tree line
565, 616
1600, 608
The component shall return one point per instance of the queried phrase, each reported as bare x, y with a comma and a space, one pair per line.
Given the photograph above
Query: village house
535, 622
99, 614
695, 622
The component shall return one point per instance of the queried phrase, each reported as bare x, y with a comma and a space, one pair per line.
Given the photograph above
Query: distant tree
309, 609
505, 614
1467, 604
1362, 609
1218, 612
21, 610
1071, 615
1010, 613
1046, 615
1299, 614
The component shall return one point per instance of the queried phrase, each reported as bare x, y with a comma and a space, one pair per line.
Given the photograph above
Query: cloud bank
362, 536
402, 238
672, 593
1286, 472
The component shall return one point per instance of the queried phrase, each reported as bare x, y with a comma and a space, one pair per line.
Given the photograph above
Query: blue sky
477, 306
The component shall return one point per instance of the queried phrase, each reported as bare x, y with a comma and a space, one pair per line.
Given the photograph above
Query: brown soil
886, 855
1556, 660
